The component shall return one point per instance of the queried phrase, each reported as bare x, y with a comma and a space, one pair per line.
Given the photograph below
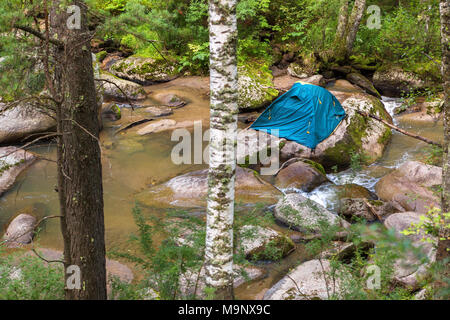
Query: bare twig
39, 35
48, 261
372, 210
412, 135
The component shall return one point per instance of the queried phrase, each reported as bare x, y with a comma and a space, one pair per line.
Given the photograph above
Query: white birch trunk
222, 147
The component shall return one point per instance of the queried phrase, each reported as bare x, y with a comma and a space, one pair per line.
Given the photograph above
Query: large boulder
297, 70
410, 269
304, 175
309, 281
258, 243
410, 187
170, 100
355, 134
255, 87
163, 125
304, 215
20, 122
369, 210
190, 190
144, 70
120, 89
393, 81
12, 162
364, 83
20, 231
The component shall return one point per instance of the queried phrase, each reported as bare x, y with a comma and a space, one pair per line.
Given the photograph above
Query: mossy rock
256, 88
304, 215
258, 243
145, 70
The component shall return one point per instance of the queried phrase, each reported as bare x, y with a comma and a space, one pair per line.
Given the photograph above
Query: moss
101, 56
256, 88
316, 165
117, 111
376, 203
274, 250
384, 139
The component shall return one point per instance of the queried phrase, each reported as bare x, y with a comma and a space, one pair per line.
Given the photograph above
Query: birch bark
222, 147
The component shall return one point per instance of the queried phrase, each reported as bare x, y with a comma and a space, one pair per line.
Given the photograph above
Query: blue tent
306, 114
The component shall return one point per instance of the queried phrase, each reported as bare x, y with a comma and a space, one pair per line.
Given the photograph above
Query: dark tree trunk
79, 157
444, 245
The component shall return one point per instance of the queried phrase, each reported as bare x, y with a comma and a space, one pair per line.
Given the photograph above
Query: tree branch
39, 35
409, 134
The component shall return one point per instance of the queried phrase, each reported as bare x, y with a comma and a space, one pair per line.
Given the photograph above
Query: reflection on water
131, 163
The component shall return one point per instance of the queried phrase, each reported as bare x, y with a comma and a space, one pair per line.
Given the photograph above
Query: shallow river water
133, 163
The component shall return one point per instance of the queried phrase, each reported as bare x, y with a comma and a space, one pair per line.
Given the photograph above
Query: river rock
163, 125
423, 112
393, 81
303, 214
309, 281
144, 71
158, 126
190, 190
409, 187
255, 86
361, 81
352, 190
12, 162
410, 270
342, 251
258, 243
355, 134
302, 175
353, 209
20, 230
257, 147
170, 100
297, 70
158, 111
111, 112
128, 89
22, 121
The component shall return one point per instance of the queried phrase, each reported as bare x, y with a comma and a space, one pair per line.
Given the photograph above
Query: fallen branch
409, 134
133, 124
372, 210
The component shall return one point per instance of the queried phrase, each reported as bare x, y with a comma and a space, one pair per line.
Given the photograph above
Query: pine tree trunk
444, 245
79, 165
222, 147
353, 24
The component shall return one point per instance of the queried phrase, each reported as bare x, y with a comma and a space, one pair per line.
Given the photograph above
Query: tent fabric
307, 114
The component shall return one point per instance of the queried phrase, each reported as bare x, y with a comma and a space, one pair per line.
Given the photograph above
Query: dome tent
306, 114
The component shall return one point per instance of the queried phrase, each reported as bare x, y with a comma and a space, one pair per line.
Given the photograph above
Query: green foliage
29, 278
405, 35
430, 224
351, 270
